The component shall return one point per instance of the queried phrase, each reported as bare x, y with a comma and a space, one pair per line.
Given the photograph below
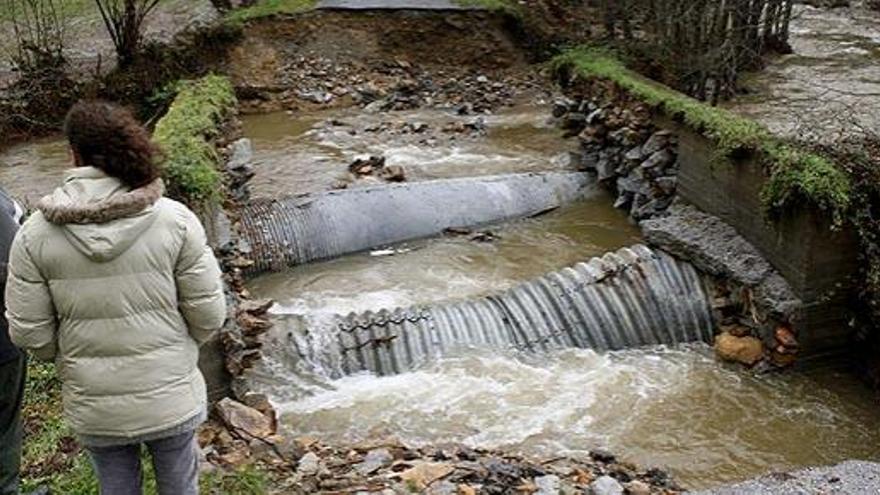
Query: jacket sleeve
201, 298
33, 323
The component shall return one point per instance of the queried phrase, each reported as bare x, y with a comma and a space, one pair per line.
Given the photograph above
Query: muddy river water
670, 407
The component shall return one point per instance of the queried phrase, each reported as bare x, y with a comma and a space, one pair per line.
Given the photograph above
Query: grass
266, 8
185, 134
795, 174
507, 6
52, 458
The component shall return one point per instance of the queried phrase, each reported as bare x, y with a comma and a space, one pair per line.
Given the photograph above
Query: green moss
795, 174
185, 135
265, 8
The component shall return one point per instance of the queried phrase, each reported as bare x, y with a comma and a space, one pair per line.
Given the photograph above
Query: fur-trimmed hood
100, 215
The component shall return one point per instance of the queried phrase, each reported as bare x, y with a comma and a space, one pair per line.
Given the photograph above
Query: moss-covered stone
186, 135
795, 174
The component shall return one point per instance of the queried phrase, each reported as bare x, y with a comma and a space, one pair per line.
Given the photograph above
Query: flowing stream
32, 170
670, 406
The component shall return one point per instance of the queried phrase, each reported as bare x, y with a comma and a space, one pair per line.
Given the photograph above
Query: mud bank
342, 57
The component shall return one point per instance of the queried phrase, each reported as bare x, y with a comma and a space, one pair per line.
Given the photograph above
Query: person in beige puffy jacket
118, 286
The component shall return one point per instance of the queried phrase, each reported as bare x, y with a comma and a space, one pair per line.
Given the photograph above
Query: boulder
745, 350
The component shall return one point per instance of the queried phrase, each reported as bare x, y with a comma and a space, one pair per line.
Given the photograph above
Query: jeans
12, 379
175, 461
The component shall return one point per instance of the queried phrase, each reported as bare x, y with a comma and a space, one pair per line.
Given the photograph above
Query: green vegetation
795, 174
186, 133
68, 8
507, 6
265, 8
53, 458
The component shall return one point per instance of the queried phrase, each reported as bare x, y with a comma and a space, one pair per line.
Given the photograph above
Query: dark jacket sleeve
8, 228
33, 323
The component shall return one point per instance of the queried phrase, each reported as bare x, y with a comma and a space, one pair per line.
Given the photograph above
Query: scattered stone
737, 330
637, 487
309, 465
375, 460
393, 173
781, 358
365, 165
256, 307
466, 490
785, 337
658, 141
603, 456
562, 106
423, 474
547, 485
606, 485
659, 159
745, 350
243, 419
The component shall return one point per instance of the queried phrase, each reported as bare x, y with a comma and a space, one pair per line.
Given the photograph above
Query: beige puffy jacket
119, 287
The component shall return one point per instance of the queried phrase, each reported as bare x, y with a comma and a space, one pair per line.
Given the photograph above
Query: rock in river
745, 350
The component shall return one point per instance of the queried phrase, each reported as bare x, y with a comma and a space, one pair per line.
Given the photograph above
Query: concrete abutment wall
818, 262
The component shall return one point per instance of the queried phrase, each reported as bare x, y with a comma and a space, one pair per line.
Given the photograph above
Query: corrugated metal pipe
629, 298
297, 230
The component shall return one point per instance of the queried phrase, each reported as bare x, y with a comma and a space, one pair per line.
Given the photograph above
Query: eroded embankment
739, 303
547, 402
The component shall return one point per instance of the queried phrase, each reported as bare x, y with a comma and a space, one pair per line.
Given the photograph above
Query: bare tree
124, 20
702, 44
38, 27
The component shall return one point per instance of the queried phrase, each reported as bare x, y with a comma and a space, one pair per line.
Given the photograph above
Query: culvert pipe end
297, 230
630, 298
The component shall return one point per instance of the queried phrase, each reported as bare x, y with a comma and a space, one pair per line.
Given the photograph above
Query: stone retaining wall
650, 162
819, 263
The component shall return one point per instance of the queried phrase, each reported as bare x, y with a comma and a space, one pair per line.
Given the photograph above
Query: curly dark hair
108, 137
